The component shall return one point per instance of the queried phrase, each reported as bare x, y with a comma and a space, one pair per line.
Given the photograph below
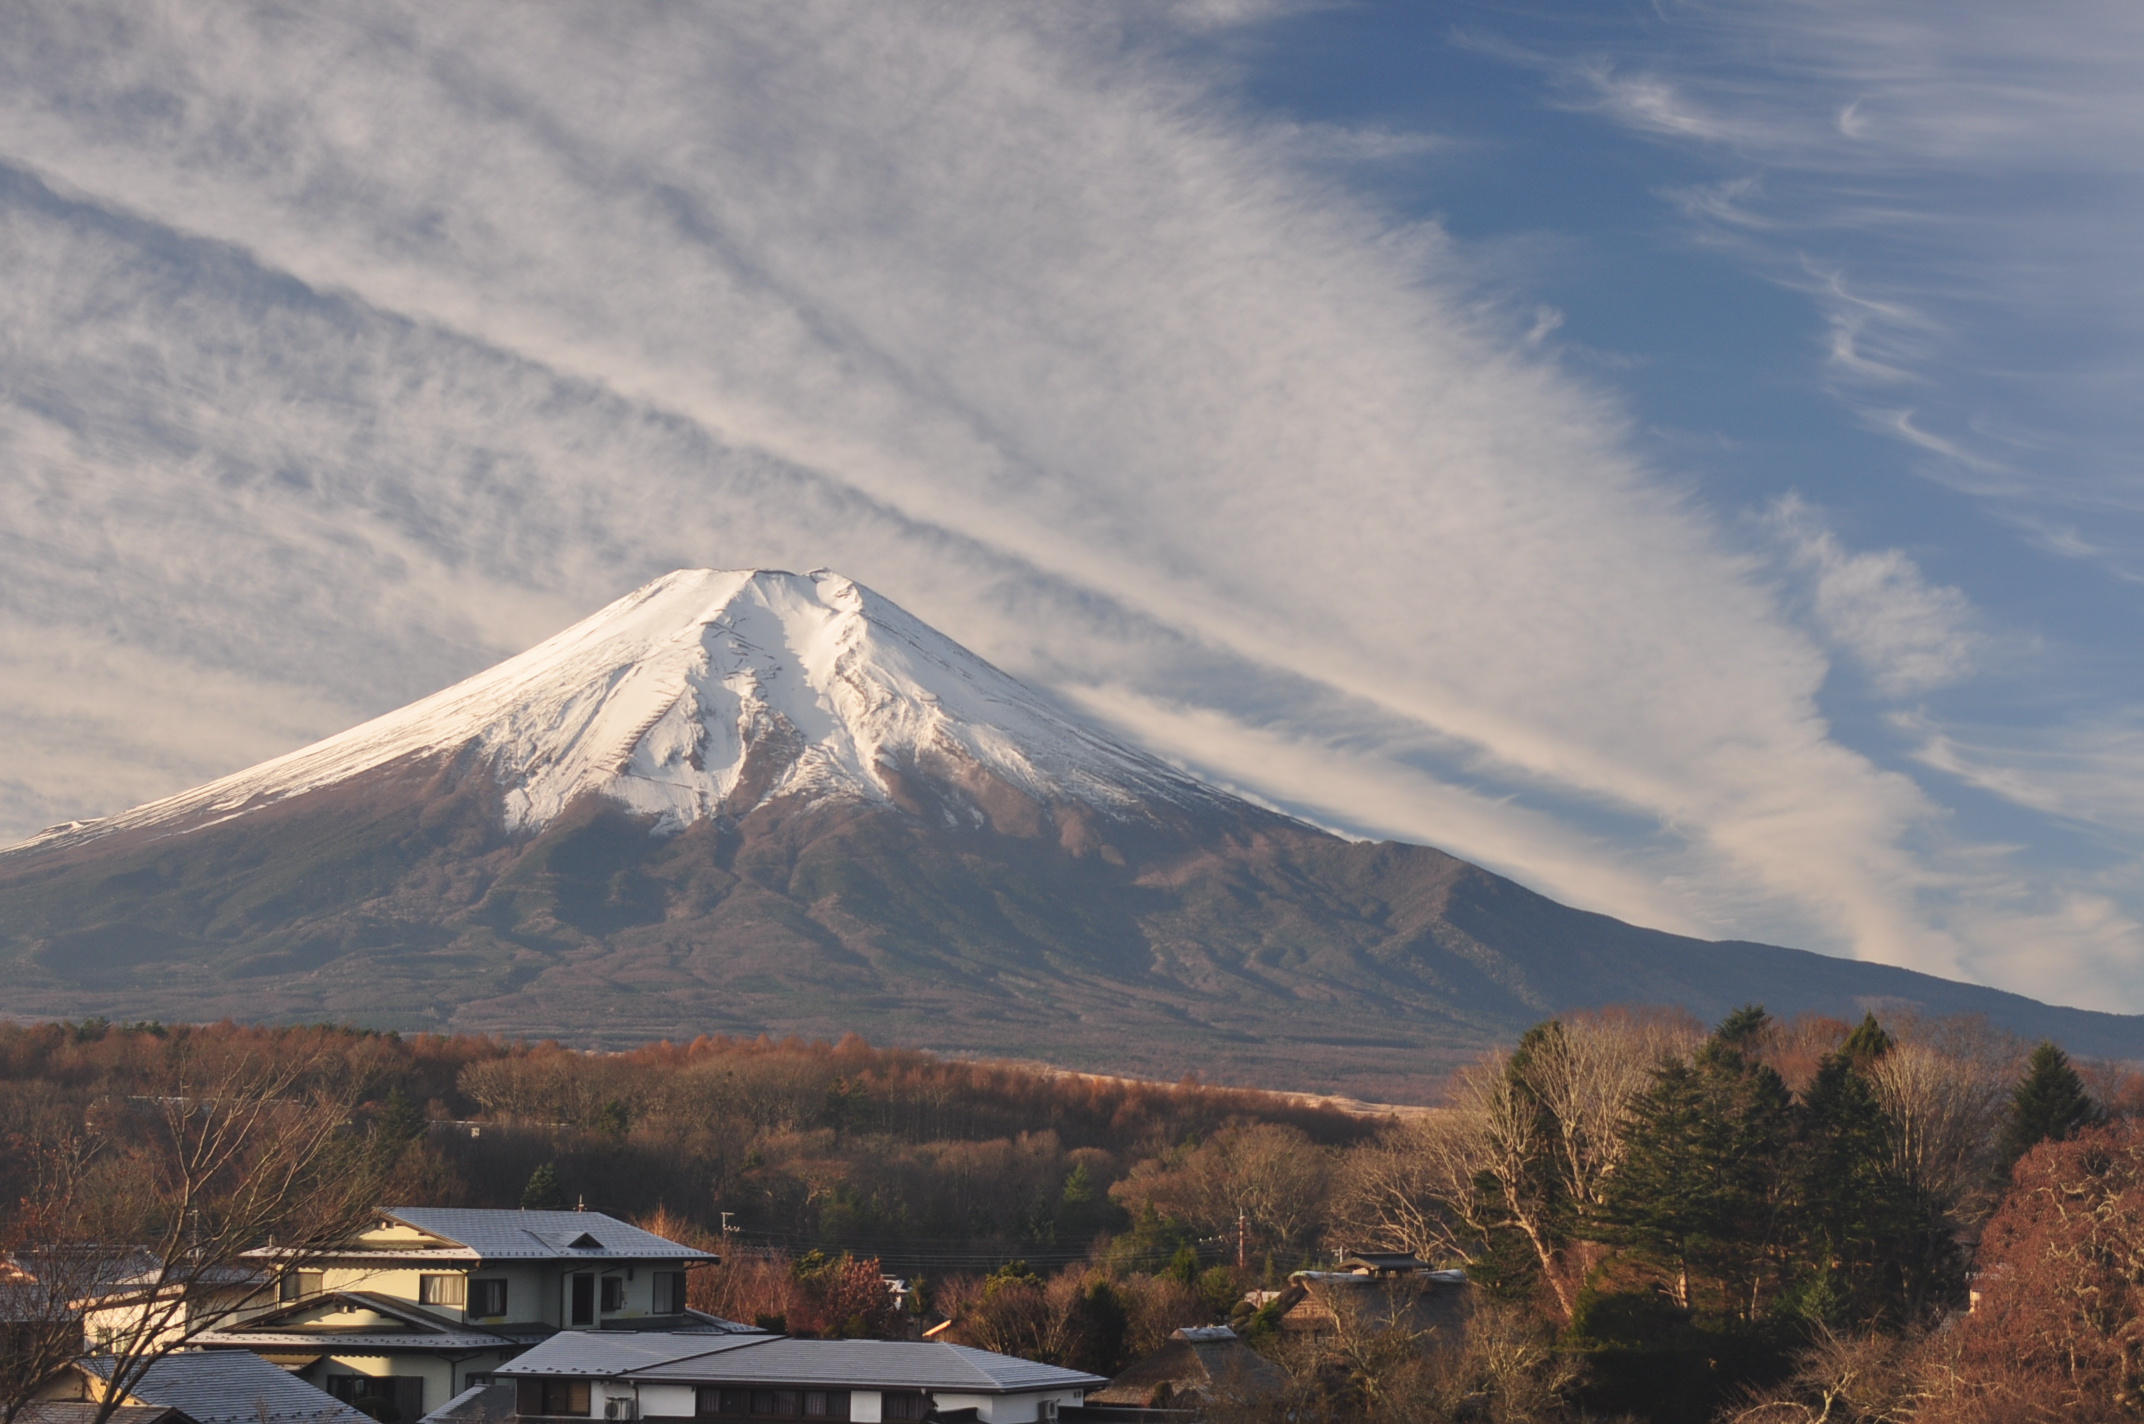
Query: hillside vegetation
1762, 1221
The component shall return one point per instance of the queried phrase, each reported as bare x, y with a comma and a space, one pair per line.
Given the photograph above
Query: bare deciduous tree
1585, 1076
1411, 1190
166, 1214
1274, 1175
1944, 1095
1844, 1379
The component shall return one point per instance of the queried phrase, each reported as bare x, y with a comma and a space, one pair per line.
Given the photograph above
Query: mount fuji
747, 801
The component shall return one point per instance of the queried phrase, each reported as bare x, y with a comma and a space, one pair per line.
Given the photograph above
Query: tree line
1760, 1221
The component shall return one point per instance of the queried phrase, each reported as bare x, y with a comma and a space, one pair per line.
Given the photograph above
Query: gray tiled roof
479, 1404
880, 1364
543, 1235
857, 1364
232, 1387
71, 1411
603, 1353
288, 1329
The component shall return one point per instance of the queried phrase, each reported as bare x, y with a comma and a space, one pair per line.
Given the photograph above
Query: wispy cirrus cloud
1956, 188
1908, 634
353, 349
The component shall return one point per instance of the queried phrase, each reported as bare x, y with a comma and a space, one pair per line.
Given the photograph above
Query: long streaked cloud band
386, 344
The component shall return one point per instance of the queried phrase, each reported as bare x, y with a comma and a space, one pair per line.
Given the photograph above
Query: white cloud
1956, 186
1320, 144
406, 323
1381, 796
2092, 773
1908, 634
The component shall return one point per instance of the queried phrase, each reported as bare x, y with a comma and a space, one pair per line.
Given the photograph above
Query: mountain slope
746, 802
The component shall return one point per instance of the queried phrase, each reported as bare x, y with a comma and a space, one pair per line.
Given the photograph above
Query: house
769, 1379
1200, 1365
1383, 1263
431, 1300
169, 1302
1319, 1302
207, 1387
107, 1294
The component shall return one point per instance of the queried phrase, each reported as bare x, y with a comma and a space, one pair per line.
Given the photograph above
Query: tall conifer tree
1702, 1193
2049, 1104
1855, 1222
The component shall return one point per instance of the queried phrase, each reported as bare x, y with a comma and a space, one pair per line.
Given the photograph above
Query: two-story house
429, 1300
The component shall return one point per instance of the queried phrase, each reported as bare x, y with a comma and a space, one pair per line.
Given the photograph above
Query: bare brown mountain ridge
1250, 949
1080, 905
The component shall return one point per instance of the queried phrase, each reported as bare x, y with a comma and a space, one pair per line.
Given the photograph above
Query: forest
1758, 1221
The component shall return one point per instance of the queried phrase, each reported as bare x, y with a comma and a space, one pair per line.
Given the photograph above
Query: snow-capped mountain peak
708, 692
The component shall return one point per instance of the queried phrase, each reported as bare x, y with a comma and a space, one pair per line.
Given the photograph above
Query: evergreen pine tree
2049, 1104
1081, 1209
1702, 1191
1867, 1043
1855, 1223
399, 1120
541, 1194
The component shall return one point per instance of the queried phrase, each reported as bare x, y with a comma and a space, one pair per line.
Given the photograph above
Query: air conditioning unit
1046, 1409
621, 1409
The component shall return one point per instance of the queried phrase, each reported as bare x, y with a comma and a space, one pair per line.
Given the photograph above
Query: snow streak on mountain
710, 692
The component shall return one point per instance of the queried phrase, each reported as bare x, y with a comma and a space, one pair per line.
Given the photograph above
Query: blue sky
1682, 456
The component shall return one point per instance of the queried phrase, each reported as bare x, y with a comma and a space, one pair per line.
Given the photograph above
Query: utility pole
1243, 1240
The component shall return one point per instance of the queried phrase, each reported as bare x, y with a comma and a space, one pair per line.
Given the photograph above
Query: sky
1682, 456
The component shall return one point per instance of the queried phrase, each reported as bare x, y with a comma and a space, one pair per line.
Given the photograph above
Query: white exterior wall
679, 1401
527, 1296
208, 1310
668, 1401
1008, 1408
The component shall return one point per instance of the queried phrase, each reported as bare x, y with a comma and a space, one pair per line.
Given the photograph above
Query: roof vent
584, 1242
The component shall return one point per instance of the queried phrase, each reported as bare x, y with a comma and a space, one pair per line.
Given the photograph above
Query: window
552, 1396
613, 1293
669, 1292
441, 1290
565, 1396
581, 1299
391, 1399
297, 1285
827, 1406
903, 1406
487, 1298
